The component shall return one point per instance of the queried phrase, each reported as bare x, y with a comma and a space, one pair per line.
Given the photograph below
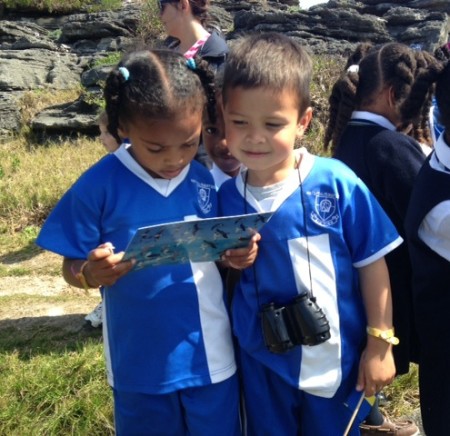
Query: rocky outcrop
60, 52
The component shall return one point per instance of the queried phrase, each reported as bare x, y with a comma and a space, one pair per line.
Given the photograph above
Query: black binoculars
301, 322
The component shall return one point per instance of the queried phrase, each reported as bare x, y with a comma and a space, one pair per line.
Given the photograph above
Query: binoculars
301, 322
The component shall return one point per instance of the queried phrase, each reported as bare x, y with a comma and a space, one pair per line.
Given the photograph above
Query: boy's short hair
269, 60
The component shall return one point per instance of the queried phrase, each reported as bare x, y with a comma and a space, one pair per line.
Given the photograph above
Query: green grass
55, 393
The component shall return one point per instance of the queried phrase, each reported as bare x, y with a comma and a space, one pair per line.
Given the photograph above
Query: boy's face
213, 135
261, 128
164, 147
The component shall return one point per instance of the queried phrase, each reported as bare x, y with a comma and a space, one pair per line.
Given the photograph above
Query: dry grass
33, 178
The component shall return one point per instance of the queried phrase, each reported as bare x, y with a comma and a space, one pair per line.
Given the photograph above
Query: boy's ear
303, 122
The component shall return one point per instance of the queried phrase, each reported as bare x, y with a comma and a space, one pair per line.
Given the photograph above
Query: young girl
109, 141
385, 92
375, 99
224, 164
428, 232
318, 250
167, 336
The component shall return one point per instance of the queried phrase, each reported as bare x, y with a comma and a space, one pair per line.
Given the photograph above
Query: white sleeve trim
379, 254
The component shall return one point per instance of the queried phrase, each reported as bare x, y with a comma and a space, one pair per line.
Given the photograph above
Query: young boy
327, 239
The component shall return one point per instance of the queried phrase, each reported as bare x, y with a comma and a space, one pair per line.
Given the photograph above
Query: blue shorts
200, 411
275, 408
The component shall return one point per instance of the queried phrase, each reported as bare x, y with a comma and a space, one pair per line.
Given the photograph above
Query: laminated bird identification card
202, 240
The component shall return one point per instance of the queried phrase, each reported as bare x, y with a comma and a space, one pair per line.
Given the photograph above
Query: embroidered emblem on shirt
204, 197
325, 209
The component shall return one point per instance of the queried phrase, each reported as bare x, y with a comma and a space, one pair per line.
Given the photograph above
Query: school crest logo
325, 212
204, 197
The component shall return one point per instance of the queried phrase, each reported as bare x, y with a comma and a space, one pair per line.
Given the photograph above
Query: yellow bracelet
81, 277
385, 335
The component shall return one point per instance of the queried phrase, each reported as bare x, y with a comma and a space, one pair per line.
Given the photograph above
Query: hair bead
125, 73
190, 63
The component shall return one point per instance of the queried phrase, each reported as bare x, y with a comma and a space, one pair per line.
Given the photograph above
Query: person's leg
272, 406
332, 416
434, 387
138, 414
212, 409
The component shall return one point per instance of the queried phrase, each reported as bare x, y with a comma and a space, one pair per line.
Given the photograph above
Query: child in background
168, 345
385, 91
109, 141
111, 145
224, 164
320, 242
428, 232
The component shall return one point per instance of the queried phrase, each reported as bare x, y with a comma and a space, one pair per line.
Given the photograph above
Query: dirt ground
43, 297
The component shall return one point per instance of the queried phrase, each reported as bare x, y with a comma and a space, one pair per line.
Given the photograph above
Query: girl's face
261, 127
108, 140
213, 135
164, 147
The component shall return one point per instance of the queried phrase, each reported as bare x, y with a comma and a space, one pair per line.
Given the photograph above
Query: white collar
375, 118
442, 151
292, 182
218, 175
165, 189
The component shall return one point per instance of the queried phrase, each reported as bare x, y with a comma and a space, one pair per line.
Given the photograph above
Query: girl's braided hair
443, 96
410, 74
156, 84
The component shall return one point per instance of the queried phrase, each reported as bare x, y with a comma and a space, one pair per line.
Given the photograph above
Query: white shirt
434, 230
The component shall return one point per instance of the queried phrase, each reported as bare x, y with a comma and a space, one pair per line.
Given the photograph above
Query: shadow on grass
25, 253
31, 336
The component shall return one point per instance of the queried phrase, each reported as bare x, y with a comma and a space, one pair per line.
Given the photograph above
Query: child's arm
376, 368
102, 268
240, 258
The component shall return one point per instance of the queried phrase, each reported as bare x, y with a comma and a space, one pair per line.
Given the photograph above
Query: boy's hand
376, 367
240, 258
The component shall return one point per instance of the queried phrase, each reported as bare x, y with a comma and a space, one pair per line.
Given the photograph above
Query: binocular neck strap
303, 203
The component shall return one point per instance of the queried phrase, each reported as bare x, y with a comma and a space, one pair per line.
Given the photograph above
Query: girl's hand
104, 266
376, 367
240, 258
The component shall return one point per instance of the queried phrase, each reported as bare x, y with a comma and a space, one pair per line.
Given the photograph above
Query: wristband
81, 277
385, 335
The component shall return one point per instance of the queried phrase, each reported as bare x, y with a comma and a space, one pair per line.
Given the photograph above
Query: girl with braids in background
442, 54
168, 346
384, 92
428, 234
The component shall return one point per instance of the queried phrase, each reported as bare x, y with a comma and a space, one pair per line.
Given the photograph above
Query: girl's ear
303, 122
